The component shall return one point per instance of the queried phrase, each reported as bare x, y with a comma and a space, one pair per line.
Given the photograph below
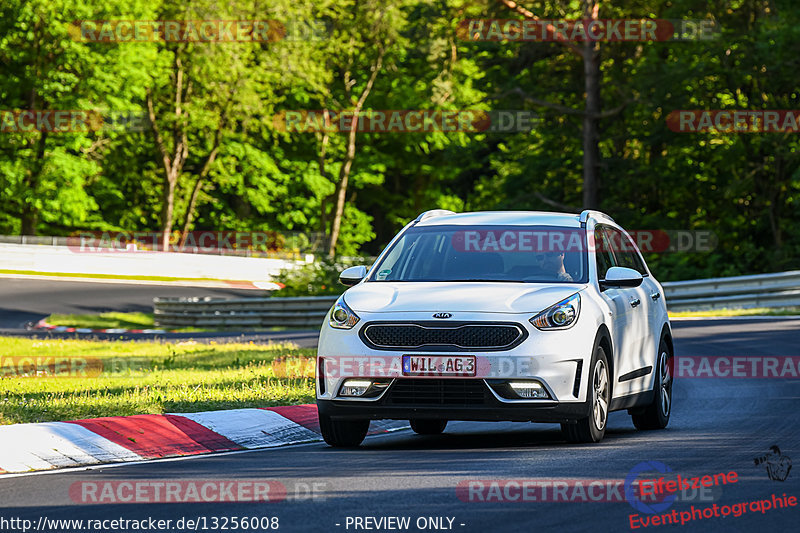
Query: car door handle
635, 302
655, 295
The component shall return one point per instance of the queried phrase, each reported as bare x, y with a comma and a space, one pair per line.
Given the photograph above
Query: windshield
532, 254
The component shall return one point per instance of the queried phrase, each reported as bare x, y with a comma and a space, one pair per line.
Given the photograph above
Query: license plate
434, 365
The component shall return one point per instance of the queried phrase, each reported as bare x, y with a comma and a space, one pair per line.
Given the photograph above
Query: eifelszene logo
777, 464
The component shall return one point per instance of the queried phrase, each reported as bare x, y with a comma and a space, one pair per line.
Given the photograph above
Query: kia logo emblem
442, 315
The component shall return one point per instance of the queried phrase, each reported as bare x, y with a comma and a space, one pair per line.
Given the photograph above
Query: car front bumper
492, 409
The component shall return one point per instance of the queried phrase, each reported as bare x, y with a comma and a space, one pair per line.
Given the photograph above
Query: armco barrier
307, 311
763, 290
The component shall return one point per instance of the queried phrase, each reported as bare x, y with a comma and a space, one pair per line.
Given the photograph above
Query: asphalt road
717, 426
30, 300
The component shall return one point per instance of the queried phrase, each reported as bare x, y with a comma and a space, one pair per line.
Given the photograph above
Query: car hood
486, 297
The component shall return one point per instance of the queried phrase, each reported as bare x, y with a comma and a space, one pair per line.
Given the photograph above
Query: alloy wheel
600, 396
666, 384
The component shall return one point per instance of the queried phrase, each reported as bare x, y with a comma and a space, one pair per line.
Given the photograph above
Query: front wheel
428, 427
656, 415
593, 427
343, 433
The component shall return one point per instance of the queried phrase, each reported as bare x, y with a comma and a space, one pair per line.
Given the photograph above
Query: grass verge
104, 320
117, 320
53, 380
755, 311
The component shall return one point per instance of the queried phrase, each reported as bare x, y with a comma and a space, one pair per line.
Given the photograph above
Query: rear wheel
343, 433
428, 427
593, 427
656, 415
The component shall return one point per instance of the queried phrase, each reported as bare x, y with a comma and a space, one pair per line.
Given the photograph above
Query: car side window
605, 259
625, 251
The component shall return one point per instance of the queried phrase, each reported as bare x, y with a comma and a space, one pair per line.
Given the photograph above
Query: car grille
463, 336
454, 392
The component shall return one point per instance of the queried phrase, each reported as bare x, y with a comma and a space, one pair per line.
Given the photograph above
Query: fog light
528, 389
355, 387
364, 387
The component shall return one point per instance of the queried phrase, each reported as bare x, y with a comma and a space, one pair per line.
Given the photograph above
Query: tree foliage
212, 157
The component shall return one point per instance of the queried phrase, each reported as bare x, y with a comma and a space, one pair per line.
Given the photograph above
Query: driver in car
553, 264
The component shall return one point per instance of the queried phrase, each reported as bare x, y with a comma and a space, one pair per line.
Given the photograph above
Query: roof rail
433, 213
586, 213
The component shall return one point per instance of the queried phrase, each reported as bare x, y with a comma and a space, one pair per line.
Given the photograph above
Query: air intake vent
426, 336
455, 392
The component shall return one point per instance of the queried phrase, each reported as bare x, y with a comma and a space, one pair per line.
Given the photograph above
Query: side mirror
351, 276
620, 277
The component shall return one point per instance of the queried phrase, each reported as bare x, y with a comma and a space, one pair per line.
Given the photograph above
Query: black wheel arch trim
603, 338
666, 335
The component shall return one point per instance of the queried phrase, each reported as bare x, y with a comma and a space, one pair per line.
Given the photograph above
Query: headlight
342, 317
561, 315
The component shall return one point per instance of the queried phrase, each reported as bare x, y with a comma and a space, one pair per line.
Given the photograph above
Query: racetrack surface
25, 301
29, 300
718, 425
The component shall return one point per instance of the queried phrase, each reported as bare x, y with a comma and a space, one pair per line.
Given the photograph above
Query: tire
593, 427
428, 427
656, 415
343, 433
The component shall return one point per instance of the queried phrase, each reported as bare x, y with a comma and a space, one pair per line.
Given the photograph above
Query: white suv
521, 316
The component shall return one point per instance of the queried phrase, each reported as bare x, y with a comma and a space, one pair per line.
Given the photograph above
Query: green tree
44, 175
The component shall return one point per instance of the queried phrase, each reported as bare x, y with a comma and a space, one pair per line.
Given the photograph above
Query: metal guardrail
34, 239
306, 311
122, 241
763, 290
